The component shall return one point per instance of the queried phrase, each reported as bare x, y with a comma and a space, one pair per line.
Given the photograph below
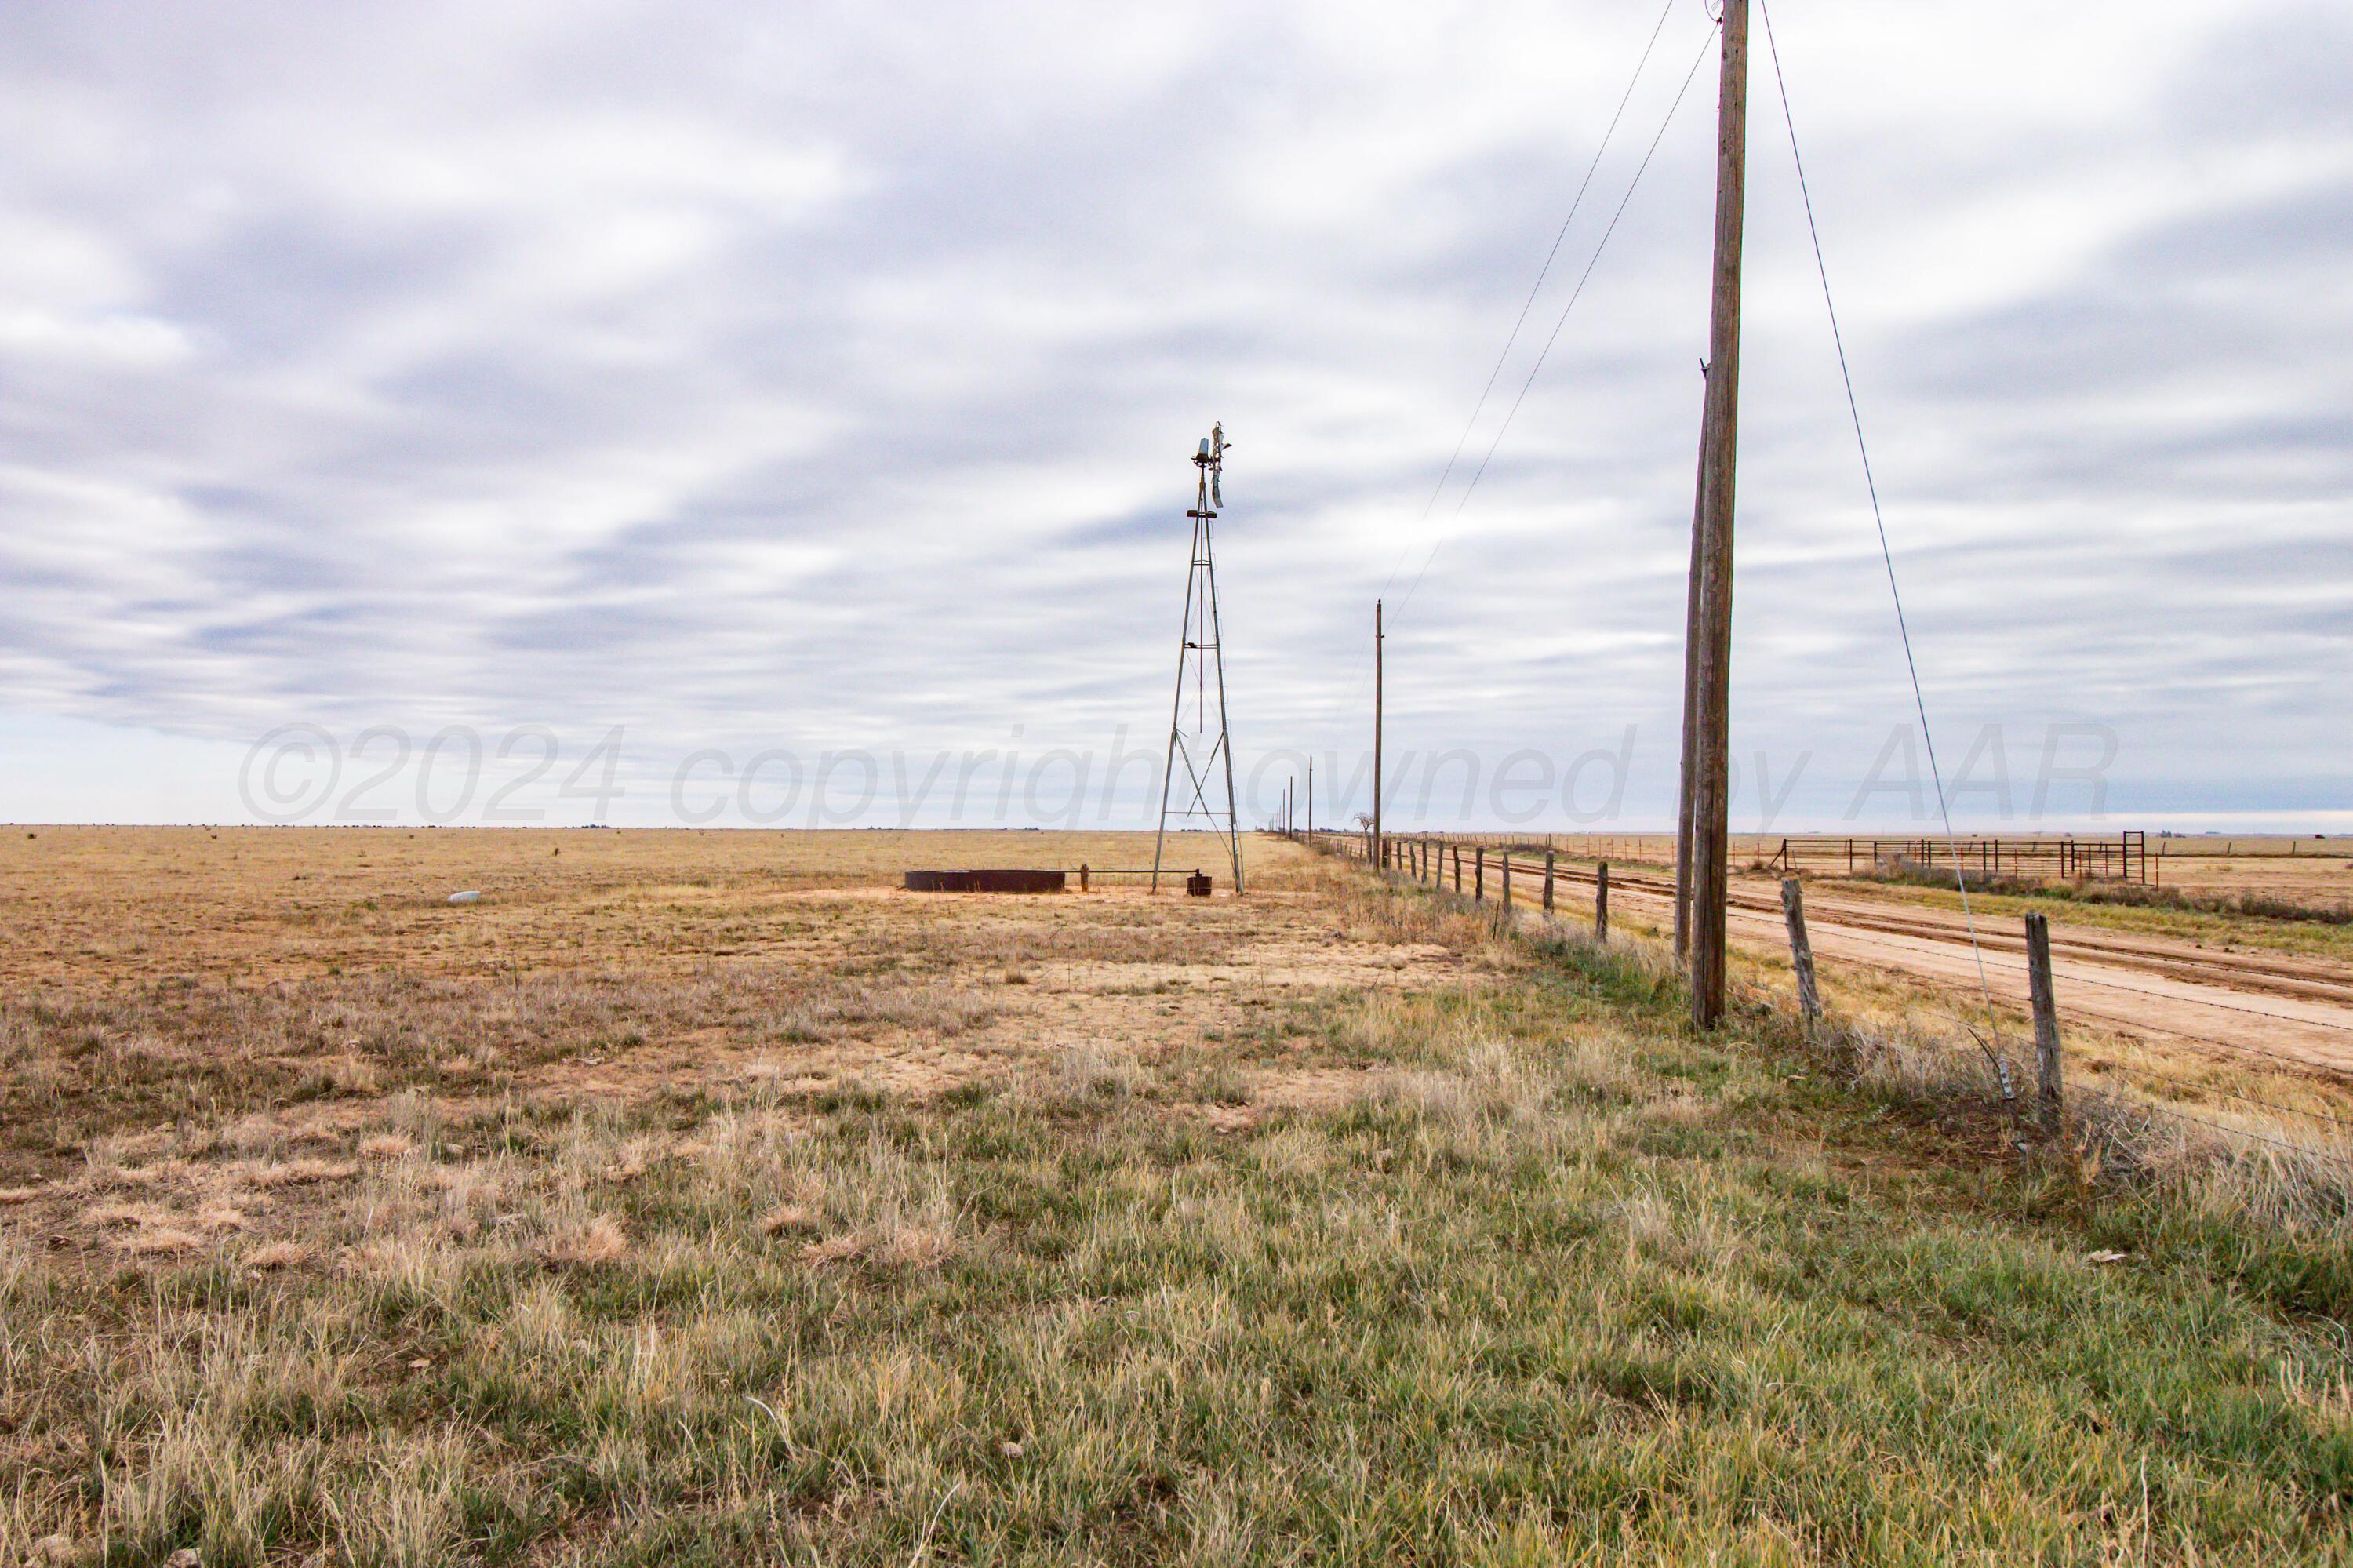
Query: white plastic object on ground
465, 898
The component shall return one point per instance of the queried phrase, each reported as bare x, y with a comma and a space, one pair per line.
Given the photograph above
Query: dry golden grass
301, 974
750, 1213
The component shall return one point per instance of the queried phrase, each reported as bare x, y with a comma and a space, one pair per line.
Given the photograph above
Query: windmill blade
1215, 499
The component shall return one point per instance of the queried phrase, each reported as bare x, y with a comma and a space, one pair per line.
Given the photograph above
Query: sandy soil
285, 985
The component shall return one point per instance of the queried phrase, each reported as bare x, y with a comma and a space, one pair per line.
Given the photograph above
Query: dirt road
2184, 993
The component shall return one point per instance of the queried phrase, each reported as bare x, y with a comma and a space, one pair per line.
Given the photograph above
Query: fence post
1083, 877
1507, 879
1801, 956
1601, 902
1479, 874
1548, 857
2051, 1092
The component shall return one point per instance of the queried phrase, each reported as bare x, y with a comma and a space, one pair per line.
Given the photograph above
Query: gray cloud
829, 380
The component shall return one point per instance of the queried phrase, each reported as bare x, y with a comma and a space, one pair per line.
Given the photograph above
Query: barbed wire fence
2078, 1101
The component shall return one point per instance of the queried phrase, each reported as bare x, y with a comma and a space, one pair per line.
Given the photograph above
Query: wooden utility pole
1377, 698
1711, 794
1311, 796
1691, 696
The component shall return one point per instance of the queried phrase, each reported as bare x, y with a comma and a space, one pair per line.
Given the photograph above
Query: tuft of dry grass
158, 1241
834, 1249
303, 1172
585, 1244
789, 1218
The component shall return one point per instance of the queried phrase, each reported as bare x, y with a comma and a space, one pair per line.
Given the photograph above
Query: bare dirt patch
215, 1021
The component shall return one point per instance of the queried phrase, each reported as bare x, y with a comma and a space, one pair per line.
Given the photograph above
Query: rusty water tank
1198, 885
1004, 880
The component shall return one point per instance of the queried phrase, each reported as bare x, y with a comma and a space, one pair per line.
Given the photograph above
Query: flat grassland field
705, 1198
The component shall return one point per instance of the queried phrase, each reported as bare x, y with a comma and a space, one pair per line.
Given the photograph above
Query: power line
1542, 273
1575, 295
1870, 483
1404, 549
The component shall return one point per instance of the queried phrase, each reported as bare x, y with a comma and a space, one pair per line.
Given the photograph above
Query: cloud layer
827, 381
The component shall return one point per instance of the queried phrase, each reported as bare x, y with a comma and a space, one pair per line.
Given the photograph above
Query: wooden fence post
1548, 857
1601, 902
1458, 871
1479, 874
1083, 877
1507, 879
2051, 1092
1801, 956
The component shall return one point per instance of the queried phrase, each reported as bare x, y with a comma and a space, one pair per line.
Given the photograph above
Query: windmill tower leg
1176, 713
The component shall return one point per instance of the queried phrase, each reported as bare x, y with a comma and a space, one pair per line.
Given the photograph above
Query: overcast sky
823, 379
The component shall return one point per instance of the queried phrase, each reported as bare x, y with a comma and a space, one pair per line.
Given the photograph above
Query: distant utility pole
1711, 796
1378, 638
1311, 796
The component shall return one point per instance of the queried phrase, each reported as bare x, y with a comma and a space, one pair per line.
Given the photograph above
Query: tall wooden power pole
1691, 703
1378, 697
1720, 432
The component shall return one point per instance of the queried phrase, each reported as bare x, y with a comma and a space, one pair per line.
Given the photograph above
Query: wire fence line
1483, 874
2122, 856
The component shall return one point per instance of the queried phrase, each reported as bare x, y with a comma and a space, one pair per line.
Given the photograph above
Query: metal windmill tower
1203, 752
